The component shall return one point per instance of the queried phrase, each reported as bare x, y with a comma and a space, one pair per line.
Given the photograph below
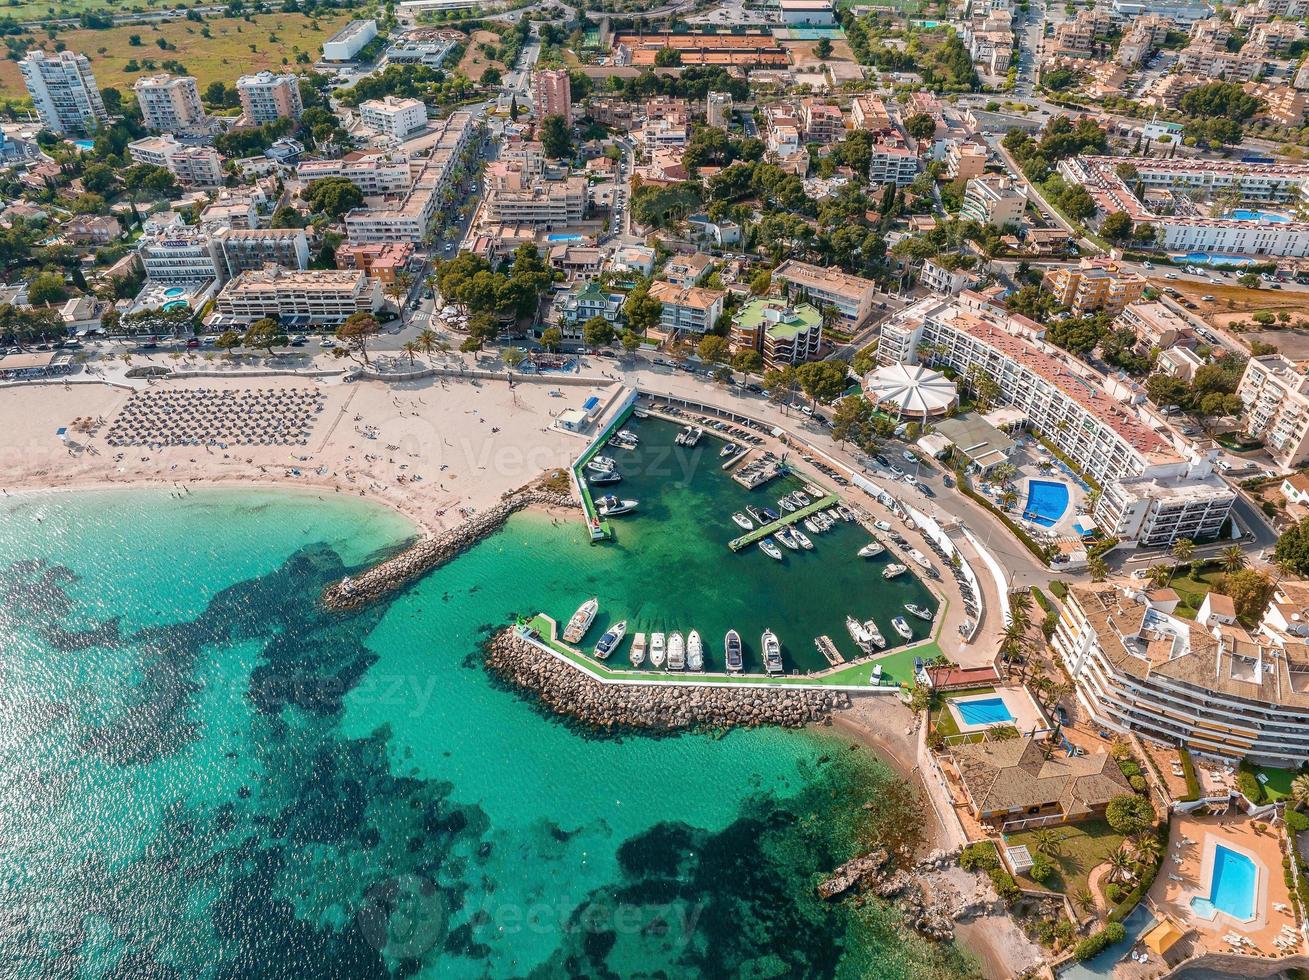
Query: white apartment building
193, 166
197, 253
947, 282
687, 309
409, 217
892, 162
266, 96
398, 118
852, 296
170, 104
349, 40
1214, 690
1150, 494
64, 91
514, 199
179, 254
373, 175
325, 296
993, 201
1276, 398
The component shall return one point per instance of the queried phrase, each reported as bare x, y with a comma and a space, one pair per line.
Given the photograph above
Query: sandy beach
429, 448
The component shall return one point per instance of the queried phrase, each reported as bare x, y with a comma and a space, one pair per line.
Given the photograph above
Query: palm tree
1146, 847
1099, 569
427, 339
410, 349
1009, 498
1233, 558
1300, 790
1159, 575
1020, 602
1183, 550
1083, 899
1120, 865
1048, 842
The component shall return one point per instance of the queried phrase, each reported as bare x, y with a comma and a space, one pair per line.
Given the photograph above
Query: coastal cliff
430, 553
568, 691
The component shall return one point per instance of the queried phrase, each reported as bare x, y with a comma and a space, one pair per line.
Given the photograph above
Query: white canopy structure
911, 391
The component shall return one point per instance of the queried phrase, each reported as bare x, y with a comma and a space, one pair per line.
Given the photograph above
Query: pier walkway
750, 537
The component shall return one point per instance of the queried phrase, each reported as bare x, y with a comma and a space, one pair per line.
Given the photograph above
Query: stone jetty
434, 551
566, 690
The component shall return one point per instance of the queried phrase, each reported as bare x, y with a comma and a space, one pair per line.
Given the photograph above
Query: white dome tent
911, 391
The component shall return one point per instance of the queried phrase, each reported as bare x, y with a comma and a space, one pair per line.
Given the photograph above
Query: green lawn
1084, 845
943, 719
1194, 585
1278, 786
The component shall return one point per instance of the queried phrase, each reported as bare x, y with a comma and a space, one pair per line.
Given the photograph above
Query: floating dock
760, 533
751, 478
828, 649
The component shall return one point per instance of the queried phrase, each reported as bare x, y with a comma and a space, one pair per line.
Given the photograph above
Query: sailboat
581, 621
732, 650
772, 652
637, 654
656, 650
694, 651
676, 651
609, 642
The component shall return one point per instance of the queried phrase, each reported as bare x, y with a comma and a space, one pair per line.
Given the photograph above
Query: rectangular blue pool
984, 711
1231, 886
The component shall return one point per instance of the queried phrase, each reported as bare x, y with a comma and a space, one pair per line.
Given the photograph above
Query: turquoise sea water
209, 777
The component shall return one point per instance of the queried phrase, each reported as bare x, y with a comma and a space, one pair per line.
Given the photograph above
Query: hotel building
320, 296
248, 249
851, 295
266, 96
349, 40
193, 166
993, 201
1150, 495
552, 94
373, 175
1276, 398
1214, 690
398, 118
170, 104
1095, 284
891, 161
687, 309
408, 216
64, 92
202, 252
514, 199
782, 334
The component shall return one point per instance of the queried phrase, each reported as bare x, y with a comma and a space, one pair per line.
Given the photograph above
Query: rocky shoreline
430, 553
613, 707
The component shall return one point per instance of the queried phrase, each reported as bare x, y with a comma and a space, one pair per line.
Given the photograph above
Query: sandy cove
441, 444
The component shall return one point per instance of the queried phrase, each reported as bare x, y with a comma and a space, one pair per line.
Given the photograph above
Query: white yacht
609, 642
656, 650
872, 549
732, 650
901, 626
611, 506
603, 477
743, 522
601, 464
772, 648
918, 611
785, 536
874, 634
892, 570
581, 621
811, 525
803, 538
860, 635
770, 549
694, 651
786, 503
637, 654
676, 651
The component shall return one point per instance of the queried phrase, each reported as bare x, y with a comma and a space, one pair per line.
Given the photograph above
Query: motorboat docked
800, 498
756, 514
637, 653
743, 522
732, 650
601, 464
728, 450
874, 634
694, 651
581, 621
676, 651
803, 538
919, 558
823, 522
918, 611
771, 550
860, 635
769, 513
640, 413
772, 648
785, 536
901, 626
625, 439
656, 649
611, 506
813, 491
689, 436
892, 570
872, 549
603, 477
811, 525
846, 513
609, 642
786, 504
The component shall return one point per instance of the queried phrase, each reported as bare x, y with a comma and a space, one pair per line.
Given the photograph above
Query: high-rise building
266, 96
394, 117
718, 109
63, 90
170, 104
552, 94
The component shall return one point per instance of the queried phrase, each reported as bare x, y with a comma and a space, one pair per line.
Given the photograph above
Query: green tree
264, 334
354, 334
823, 381
851, 420
823, 49
551, 338
631, 341
333, 196
1117, 227
598, 332
227, 340
1129, 814
1233, 558
713, 349
47, 287
555, 137
1249, 590
920, 126
642, 310
747, 361
288, 217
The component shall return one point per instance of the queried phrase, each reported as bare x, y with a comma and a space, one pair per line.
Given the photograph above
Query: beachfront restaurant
31, 365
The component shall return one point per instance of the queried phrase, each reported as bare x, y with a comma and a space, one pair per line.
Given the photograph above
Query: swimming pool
175, 304
1241, 214
1046, 502
1204, 258
564, 238
84, 145
984, 711
1231, 886
172, 291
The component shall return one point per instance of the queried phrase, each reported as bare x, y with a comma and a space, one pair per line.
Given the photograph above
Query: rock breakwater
434, 551
612, 707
